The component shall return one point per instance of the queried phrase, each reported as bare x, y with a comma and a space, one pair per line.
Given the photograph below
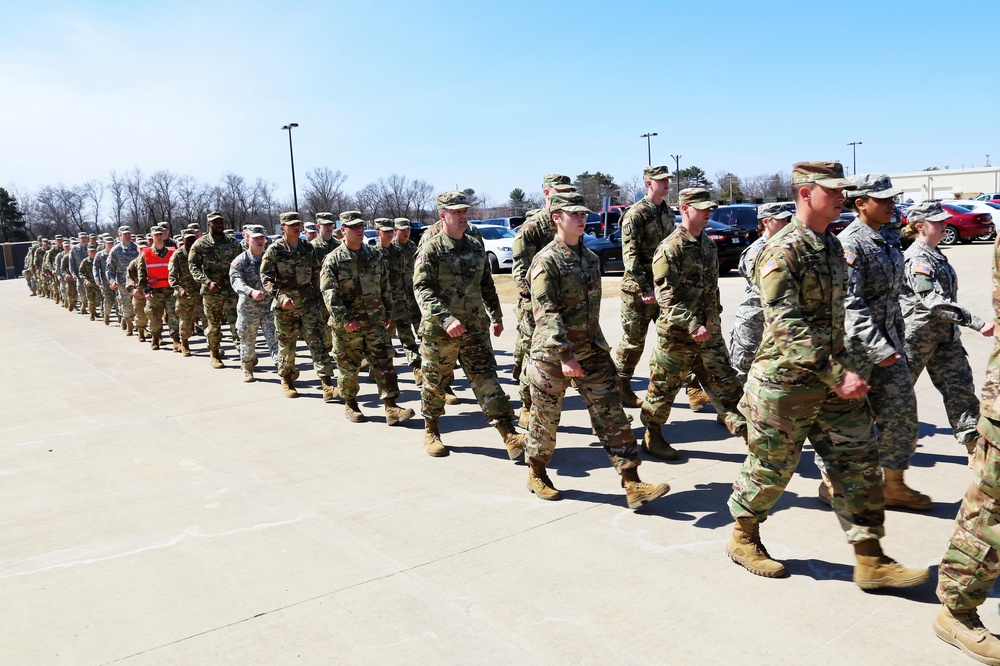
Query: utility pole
854, 147
295, 192
649, 151
677, 175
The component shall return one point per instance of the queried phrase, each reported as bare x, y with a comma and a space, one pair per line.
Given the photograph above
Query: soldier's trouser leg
480, 366
947, 364
599, 389
229, 305
185, 309
437, 358
779, 418
109, 300
286, 328
248, 322
215, 318
125, 303
970, 565
139, 306
669, 364
71, 294
378, 349
350, 348
405, 332
92, 294
713, 369
525, 328
894, 407
172, 320
312, 333
154, 311
636, 316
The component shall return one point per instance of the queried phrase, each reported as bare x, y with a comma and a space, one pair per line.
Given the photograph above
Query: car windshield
716, 225
494, 233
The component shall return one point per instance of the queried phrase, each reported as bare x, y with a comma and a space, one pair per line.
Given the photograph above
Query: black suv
742, 216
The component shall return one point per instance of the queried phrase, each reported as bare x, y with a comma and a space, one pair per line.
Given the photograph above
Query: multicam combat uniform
932, 339
323, 248
208, 261
406, 316
251, 315
802, 277
90, 288
393, 263
119, 258
160, 299
356, 288
566, 308
69, 281
137, 296
749, 327
28, 269
186, 290
76, 255
537, 232
100, 277
685, 272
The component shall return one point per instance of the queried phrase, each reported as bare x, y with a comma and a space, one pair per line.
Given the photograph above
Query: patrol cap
554, 179
656, 172
384, 224
928, 211
109, 239
351, 218
311, 226
66, 242
255, 231
229, 232
876, 185
189, 233
214, 215
92, 247
92, 236
564, 187
325, 218
289, 217
194, 226
83, 234
58, 236
452, 200
124, 230
157, 230
401, 223
140, 242
697, 197
776, 211
824, 174
571, 202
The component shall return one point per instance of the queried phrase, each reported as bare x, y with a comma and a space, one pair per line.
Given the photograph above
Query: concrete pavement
155, 510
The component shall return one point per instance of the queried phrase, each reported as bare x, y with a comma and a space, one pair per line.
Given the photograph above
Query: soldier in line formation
826, 326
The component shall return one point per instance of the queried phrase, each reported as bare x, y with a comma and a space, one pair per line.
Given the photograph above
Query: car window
993, 205
964, 206
746, 218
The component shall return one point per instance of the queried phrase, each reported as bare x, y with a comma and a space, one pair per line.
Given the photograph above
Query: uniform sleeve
490, 298
919, 275
793, 336
196, 264
329, 284
74, 265
549, 325
713, 305
858, 321
666, 269
631, 238
268, 276
427, 288
236, 278
385, 289
142, 274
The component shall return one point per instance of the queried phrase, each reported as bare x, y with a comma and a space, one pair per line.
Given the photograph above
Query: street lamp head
289, 126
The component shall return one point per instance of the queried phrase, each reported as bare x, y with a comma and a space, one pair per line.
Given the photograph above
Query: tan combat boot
965, 630
155, 343
826, 491
353, 412
92, 317
418, 377
697, 398
295, 373
330, 392
177, 342
874, 569
449, 396
629, 398
638, 493
107, 319
395, 414
288, 386
746, 550
897, 493
216, 356
142, 334
185, 348
511, 439
248, 373
524, 418
129, 327
654, 444
540, 484
432, 439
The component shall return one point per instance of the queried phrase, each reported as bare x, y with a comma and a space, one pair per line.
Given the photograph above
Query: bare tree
161, 198
193, 200
135, 201
60, 209
93, 194
324, 191
116, 186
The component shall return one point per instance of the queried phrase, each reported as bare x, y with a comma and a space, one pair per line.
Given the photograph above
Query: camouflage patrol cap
928, 211
92, 236
194, 226
401, 223
351, 218
452, 200
214, 215
141, 242
325, 218
158, 229
92, 248
338, 233
289, 217
189, 233
59, 236
876, 185
697, 197
384, 224
656, 172
110, 239
824, 174
255, 231
66, 242
555, 179
229, 232
561, 187
311, 227
571, 202
776, 211
82, 233
124, 230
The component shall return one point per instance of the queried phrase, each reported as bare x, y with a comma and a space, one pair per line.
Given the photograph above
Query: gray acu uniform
118, 260
875, 331
749, 327
932, 337
251, 315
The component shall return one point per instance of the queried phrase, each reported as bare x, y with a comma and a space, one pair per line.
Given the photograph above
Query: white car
499, 242
991, 208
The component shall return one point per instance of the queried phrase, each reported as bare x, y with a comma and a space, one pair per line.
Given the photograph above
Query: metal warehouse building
948, 184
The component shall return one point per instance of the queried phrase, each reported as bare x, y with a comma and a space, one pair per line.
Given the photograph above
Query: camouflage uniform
251, 315
135, 294
802, 278
41, 279
405, 313
323, 248
685, 272
874, 327
451, 284
566, 308
392, 261
537, 232
91, 290
932, 339
186, 289
119, 258
159, 300
69, 280
76, 255
100, 277
209, 261
28, 270
293, 273
356, 288
644, 227
749, 326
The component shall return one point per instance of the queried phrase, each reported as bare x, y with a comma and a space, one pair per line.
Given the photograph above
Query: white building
948, 184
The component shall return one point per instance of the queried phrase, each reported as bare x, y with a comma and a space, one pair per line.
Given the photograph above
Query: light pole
854, 148
291, 154
649, 151
677, 175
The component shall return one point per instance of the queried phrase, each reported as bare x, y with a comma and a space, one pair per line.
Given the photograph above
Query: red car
963, 225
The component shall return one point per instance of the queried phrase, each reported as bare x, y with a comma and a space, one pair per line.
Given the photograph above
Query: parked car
965, 226
371, 237
975, 206
989, 197
743, 216
499, 242
608, 250
506, 222
596, 225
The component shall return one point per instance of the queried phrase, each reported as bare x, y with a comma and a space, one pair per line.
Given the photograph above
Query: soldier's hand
572, 369
287, 303
497, 329
148, 294
256, 294
851, 387
889, 361
352, 326
114, 285
701, 335
136, 292
213, 287
455, 329
987, 329
182, 293
649, 297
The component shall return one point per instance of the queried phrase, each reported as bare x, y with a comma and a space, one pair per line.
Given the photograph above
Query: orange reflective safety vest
157, 268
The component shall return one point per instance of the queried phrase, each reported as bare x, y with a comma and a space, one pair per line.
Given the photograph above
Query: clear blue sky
491, 95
